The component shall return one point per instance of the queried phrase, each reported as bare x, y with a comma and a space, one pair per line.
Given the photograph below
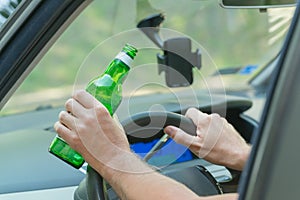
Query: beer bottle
106, 88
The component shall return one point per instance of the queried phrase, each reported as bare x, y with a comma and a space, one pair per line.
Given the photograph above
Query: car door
272, 172
27, 31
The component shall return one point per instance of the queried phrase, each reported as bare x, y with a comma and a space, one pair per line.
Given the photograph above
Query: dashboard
25, 138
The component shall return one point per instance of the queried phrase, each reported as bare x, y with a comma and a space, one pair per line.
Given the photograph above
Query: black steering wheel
145, 127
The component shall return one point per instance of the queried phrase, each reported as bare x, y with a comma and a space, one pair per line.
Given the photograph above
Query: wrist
124, 164
241, 158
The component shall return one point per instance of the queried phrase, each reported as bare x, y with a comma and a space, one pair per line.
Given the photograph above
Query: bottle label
124, 58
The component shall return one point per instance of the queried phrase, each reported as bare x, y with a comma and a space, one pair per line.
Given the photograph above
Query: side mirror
262, 4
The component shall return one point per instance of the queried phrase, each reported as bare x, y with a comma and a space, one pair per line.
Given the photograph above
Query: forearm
131, 178
151, 186
156, 186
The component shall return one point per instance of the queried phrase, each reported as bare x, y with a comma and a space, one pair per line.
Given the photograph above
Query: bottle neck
117, 70
125, 58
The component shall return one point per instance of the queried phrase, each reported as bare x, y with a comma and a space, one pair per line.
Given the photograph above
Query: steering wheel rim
133, 126
146, 125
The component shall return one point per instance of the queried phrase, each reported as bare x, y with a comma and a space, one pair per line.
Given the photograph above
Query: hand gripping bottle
106, 88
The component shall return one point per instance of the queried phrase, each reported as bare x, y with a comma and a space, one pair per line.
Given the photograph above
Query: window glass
240, 41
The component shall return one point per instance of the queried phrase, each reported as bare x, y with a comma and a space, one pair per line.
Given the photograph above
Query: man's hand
87, 127
216, 141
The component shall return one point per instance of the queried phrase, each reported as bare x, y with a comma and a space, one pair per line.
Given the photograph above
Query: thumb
116, 118
179, 136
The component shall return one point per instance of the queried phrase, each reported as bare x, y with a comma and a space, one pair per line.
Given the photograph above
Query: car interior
50, 48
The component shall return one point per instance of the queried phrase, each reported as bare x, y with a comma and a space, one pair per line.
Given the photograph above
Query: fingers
198, 117
86, 102
62, 130
85, 99
74, 107
67, 119
180, 136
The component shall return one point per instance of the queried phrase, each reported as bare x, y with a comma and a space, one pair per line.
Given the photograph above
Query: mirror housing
261, 4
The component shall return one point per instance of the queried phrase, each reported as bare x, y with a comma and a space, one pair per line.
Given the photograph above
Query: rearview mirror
257, 3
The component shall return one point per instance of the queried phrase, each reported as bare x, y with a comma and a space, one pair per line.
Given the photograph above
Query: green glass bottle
106, 88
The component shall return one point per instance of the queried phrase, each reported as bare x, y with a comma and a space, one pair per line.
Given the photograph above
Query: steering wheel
149, 125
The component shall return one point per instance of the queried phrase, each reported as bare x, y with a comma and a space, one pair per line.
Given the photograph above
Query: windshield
235, 44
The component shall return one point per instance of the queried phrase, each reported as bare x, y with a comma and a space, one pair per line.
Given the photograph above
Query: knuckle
101, 111
216, 117
224, 120
57, 127
75, 141
61, 115
80, 127
88, 122
69, 104
78, 93
207, 119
